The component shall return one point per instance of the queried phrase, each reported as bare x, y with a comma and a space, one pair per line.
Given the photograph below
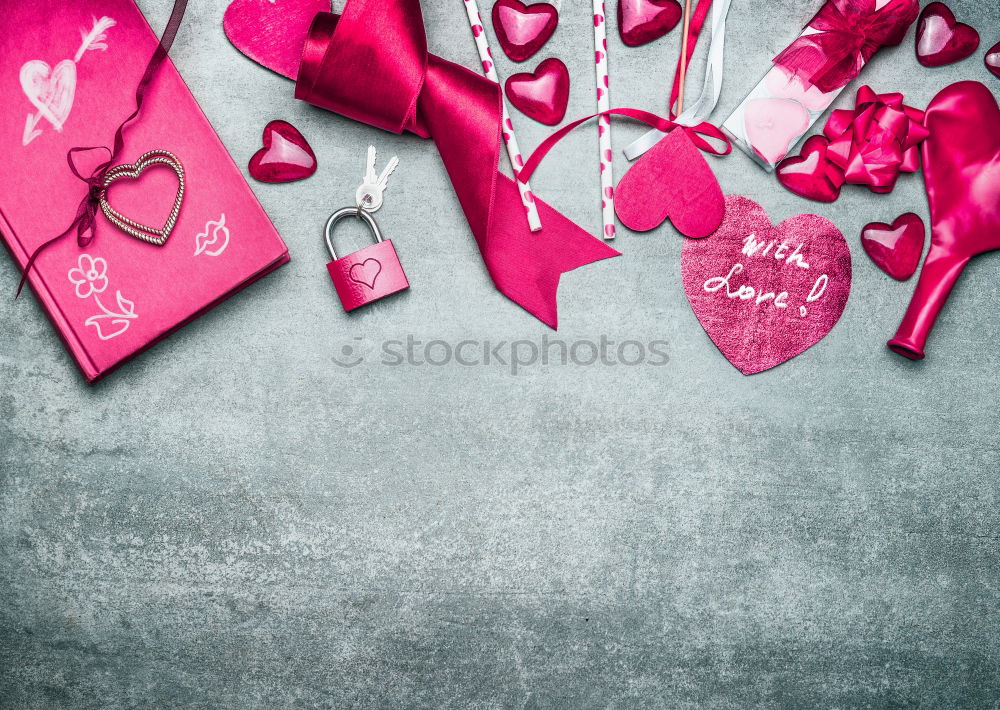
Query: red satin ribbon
86, 212
372, 65
849, 33
876, 141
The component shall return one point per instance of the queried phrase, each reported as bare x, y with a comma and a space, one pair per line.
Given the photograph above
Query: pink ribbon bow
371, 64
848, 33
876, 141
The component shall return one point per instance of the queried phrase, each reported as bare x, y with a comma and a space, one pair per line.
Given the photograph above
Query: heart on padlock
366, 272
133, 171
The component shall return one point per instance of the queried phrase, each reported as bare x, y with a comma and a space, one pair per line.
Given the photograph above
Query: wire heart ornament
133, 171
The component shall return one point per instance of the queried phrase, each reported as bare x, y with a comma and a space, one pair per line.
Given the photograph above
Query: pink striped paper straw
604, 122
513, 151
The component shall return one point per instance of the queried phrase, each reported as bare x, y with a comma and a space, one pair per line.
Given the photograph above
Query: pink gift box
69, 72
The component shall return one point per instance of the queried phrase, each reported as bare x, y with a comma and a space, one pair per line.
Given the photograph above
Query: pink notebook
69, 71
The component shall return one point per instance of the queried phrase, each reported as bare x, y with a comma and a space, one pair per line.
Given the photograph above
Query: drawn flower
89, 275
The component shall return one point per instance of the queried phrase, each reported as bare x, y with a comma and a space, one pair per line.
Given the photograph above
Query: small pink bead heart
523, 29
642, 21
941, 39
811, 174
765, 293
895, 248
773, 125
671, 180
285, 157
541, 95
992, 60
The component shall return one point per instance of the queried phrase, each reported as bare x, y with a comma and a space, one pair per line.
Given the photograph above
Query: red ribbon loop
849, 32
371, 64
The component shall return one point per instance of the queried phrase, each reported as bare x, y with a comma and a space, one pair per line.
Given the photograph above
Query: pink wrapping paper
66, 85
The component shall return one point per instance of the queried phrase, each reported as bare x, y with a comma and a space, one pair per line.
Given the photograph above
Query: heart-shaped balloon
895, 248
272, 32
812, 175
773, 125
941, 39
673, 180
765, 293
992, 60
285, 157
642, 21
541, 95
523, 29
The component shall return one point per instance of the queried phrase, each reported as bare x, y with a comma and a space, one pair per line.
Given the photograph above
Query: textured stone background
234, 521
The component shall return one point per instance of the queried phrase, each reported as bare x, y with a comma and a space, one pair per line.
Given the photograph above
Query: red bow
372, 65
848, 33
876, 141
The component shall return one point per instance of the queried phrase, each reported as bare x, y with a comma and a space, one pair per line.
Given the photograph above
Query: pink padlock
368, 274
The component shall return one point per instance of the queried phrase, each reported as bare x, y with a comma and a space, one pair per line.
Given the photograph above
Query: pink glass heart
765, 293
811, 174
523, 29
285, 157
773, 125
642, 21
940, 39
542, 95
895, 248
992, 60
671, 180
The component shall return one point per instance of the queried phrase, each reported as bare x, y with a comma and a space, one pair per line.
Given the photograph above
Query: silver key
369, 195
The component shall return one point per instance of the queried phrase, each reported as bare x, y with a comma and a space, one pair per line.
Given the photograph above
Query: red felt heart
811, 174
671, 180
940, 39
272, 33
992, 60
764, 293
642, 21
523, 29
895, 249
285, 157
543, 95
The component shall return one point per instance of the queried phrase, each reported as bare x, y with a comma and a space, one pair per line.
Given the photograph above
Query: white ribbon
700, 110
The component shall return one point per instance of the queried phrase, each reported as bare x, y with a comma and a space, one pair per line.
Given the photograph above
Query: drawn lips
366, 272
51, 91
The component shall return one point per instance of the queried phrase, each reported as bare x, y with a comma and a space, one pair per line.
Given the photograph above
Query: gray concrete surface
235, 521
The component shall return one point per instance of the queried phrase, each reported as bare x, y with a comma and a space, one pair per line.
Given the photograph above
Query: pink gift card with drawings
68, 76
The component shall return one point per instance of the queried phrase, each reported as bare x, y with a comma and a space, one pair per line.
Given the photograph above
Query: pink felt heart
765, 293
895, 248
941, 39
523, 29
811, 174
542, 95
671, 180
773, 125
642, 21
285, 157
272, 32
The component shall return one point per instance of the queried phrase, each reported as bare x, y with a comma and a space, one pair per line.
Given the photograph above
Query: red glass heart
543, 95
895, 248
811, 174
992, 60
642, 21
523, 29
285, 157
940, 39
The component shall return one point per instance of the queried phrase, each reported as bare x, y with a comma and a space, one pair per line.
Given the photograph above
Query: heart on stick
146, 233
642, 21
523, 29
49, 90
285, 157
941, 39
542, 95
766, 293
673, 180
895, 248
